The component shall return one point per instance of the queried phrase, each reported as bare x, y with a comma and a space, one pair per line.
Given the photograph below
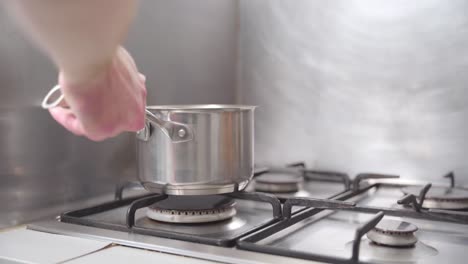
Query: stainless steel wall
187, 50
359, 85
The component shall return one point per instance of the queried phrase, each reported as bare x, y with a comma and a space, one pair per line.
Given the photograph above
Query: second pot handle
176, 131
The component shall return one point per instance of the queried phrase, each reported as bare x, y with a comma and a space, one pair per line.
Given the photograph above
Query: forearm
81, 36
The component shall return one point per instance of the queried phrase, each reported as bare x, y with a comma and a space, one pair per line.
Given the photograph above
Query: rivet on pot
181, 133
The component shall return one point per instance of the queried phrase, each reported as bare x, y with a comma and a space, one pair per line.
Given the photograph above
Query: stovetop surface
250, 214
387, 197
322, 225
334, 236
332, 233
316, 189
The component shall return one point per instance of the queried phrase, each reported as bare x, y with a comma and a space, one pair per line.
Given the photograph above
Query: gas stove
295, 180
289, 213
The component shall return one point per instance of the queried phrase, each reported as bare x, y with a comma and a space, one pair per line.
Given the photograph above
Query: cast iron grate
315, 206
133, 204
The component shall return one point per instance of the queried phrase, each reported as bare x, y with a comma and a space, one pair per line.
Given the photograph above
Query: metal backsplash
187, 50
359, 85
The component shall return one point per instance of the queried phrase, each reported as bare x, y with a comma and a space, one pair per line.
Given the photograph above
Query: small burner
278, 183
192, 209
373, 253
441, 197
393, 233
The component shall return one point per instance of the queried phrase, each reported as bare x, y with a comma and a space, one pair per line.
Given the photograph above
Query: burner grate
295, 215
249, 242
93, 217
295, 180
316, 206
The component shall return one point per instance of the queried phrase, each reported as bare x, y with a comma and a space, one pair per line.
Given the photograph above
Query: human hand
112, 102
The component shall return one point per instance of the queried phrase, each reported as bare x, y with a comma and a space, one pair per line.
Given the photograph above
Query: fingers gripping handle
177, 132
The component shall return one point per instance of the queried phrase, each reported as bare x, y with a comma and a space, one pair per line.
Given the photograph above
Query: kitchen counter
20, 245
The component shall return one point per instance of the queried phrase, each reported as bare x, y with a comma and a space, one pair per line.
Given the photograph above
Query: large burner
192, 209
393, 233
278, 183
441, 197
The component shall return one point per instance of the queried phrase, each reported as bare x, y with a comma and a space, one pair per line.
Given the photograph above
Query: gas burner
278, 183
374, 253
393, 233
192, 209
441, 197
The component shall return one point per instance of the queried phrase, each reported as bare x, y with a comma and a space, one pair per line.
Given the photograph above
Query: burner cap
393, 233
374, 253
278, 183
192, 209
441, 197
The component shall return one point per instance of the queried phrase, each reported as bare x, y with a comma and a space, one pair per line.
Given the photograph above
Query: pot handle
176, 131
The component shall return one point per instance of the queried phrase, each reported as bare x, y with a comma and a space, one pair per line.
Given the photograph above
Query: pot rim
202, 107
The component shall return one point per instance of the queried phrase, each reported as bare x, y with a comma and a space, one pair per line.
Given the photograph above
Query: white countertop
21, 245
125, 255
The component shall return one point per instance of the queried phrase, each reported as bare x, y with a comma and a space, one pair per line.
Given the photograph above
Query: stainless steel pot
215, 157
191, 149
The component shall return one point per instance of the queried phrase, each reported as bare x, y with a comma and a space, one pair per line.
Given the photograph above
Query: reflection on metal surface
43, 168
325, 235
358, 85
218, 160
